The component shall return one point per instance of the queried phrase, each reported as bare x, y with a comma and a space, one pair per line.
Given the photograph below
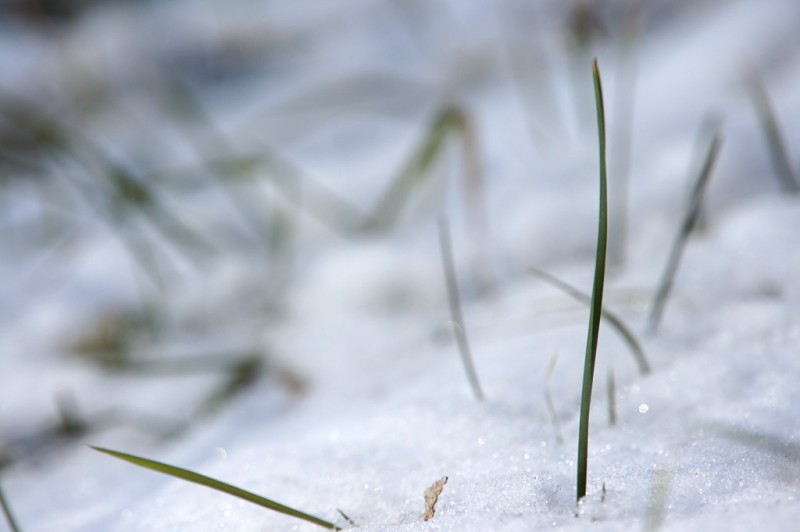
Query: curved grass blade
689, 222
12, 523
612, 319
597, 293
190, 476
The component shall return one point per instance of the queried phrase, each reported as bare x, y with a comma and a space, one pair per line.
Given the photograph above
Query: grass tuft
597, 293
191, 476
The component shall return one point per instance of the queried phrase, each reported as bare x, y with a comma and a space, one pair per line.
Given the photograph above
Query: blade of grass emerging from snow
689, 222
454, 301
190, 476
772, 132
597, 293
612, 319
12, 523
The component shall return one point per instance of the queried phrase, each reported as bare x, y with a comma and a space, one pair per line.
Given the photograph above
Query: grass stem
688, 224
611, 388
597, 293
772, 133
454, 301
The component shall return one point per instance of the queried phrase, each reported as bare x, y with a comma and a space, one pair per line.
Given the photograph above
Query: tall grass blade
597, 293
12, 523
454, 302
613, 320
688, 224
190, 476
772, 131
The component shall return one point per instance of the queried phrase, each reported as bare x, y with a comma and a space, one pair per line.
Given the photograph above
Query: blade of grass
389, 207
688, 224
597, 293
454, 301
548, 398
191, 476
612, 319
12, 523
611, 388
772, 133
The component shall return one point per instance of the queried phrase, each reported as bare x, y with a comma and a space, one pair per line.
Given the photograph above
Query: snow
363, 402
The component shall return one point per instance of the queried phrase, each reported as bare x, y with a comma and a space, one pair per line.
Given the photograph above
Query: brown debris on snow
431, 496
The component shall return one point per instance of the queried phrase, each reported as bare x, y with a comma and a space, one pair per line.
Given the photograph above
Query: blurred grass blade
612, 319
453, 299
12, 523
597, 294
658, 500
190, 476
611, 388
688, 224
772, 132
548, 399
624, 106
389, 207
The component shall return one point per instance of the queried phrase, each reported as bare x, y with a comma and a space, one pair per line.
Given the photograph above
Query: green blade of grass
454, 302
191, 476
597, 293
12, 523
688, 224
772, 133
612, 319
390, 206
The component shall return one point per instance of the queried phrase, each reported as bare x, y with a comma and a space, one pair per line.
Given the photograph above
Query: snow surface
344, 91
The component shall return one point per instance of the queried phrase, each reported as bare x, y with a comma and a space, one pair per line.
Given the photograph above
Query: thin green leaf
190, 476
597, 293
612, 319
